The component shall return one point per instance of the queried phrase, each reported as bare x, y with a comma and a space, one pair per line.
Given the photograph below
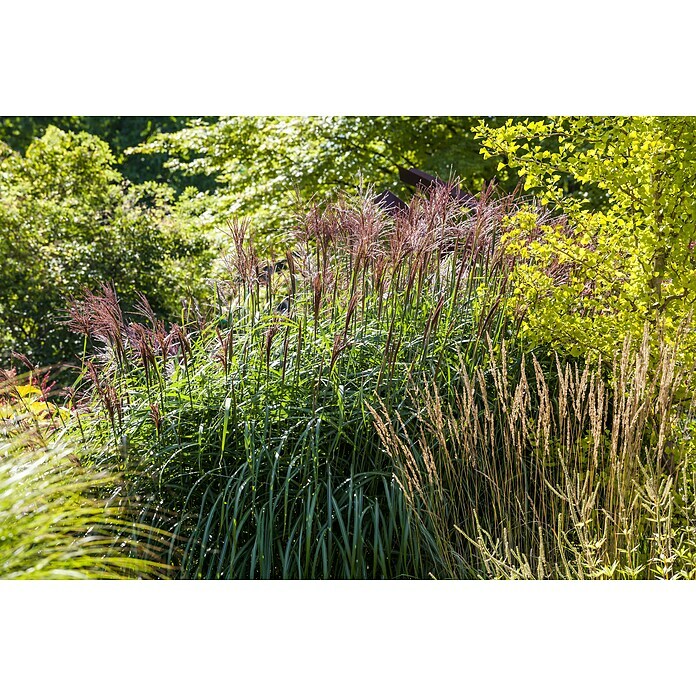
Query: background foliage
262, 163
119, 132
623, 253
68, 219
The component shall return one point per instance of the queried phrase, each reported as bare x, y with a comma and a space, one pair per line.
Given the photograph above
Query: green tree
68, 219
620, 250
19, 131
120, 132
261, 162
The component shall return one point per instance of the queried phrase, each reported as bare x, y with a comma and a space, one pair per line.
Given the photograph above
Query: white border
363, 57
346, 637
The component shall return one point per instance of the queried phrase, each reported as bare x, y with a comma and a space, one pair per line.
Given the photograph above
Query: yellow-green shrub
621, 250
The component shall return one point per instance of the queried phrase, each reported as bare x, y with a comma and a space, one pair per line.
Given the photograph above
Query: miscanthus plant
255, 427
58, 518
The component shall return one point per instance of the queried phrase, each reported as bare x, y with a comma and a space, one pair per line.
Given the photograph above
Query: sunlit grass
58, 518
54, 525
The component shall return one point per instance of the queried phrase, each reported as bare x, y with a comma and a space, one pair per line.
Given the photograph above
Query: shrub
69, 220
625, 254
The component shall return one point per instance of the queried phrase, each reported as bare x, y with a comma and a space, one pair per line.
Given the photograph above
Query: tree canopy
262, 163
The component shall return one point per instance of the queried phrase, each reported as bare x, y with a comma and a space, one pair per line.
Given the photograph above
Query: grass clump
256, 426
569, 472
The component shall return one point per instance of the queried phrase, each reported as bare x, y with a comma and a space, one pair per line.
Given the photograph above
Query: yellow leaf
27, 389
40, 408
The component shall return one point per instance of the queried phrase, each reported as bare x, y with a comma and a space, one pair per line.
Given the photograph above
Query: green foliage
262, 162
120, 132
362, 407
20, 131
68, 220
622, 253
